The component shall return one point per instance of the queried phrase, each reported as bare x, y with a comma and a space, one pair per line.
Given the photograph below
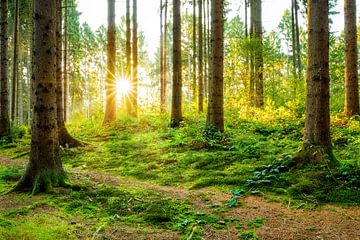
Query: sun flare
123, 87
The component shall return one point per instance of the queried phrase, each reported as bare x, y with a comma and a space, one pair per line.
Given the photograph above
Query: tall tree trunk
165, 51
15, 72
65, 57
134, 92
126, 99
31, 63
205, 51
298, 47
252, 52
200, 59
162, 95
215, 115
4, 98
45, 168
194, 51
110, 109
351, 60
259, 64
246, 5
65, 139
209, 46
176, 106
317, 140
293, 38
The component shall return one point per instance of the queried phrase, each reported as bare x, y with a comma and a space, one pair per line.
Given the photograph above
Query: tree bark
134, 85
65, 139
252, 53
194, 51
351, 60
44, 169
4, 98
293, 37
110, 85
15, 72
298, 47
65, 72
176, 106
162, 95
259, 64
200, 59
215, 115
165, 51
317, 142
126, 99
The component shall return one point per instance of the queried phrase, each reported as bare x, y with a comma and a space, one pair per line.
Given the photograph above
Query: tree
134, 80
162, 87
128, 53
194, 50
176, 103
215, 115
317, 142
259, 63
15, 73
65, 58
200, 59
110, 85
4, 98
44, 169
65, 139
351, 60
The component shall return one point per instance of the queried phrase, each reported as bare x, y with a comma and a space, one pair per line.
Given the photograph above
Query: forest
227, 129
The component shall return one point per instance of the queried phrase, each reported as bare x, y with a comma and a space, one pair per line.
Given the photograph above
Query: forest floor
140, 180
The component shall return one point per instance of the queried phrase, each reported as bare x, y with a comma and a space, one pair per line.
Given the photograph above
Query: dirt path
280, 222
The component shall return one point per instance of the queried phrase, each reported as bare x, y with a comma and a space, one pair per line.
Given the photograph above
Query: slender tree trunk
259, 64
293, 38
298, 47
162, 95
110, 109
45, 168
200, 59
209, 46
317, 142
134, 92
165, 51
15, 72
65, 139
65, 57
127, 99
176, 106
351, 60
247, 83
4, 98
252, 52
215, 115
205, 51
194, 51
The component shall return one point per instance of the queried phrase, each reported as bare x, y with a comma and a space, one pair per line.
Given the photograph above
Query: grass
251, 156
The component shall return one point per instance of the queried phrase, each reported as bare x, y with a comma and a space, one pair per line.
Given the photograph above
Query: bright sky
94, 12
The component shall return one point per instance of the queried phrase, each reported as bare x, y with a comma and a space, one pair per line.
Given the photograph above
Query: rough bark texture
110, 84
65, 72
259, 63
351, 60
128, 55
15, 65
215, 115
317, 142
134, 79
200, 59
176, 106
45, 168
4, 98
65, 139
293, 38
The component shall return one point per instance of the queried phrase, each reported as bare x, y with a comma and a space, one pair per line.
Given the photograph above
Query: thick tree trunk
200, 59
15, 72
4, 98
45, 168
176, 106
215, 115
351, 60
134, 79
194, 51
65, 72
126, 99
65, 139
317, 142
110, 85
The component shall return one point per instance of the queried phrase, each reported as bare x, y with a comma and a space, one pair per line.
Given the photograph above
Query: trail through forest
277, 221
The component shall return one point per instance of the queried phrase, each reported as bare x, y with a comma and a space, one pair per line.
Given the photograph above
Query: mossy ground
248, 159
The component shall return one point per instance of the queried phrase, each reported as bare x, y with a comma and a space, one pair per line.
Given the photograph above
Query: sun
123, 87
